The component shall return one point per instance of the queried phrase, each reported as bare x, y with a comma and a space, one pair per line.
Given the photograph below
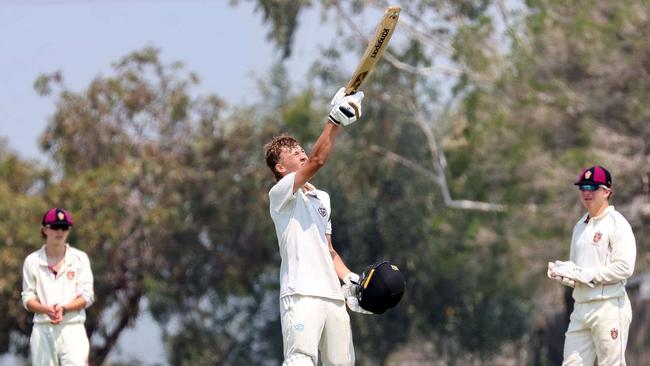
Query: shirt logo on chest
322, 211
614, 333
597, 236
70, 275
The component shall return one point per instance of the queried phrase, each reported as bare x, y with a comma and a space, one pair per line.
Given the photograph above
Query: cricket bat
375, 49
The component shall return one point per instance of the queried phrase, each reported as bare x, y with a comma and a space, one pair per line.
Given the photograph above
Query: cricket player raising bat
312, 302
602, 256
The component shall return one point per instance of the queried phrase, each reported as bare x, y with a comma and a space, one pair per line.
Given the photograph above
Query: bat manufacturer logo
380, 42
299, 327
359, 79
613, 333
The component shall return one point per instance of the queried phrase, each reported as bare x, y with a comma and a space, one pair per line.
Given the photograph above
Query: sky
226, 46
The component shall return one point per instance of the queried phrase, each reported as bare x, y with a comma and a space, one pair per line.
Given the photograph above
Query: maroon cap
57, 216
596, 175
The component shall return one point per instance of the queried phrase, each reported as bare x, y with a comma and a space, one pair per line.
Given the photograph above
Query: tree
21, 210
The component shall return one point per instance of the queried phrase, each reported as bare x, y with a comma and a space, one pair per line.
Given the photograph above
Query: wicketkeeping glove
346, 108
562, 280
571, 270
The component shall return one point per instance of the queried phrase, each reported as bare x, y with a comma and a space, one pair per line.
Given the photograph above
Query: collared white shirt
606, 243
74, 279
302, 219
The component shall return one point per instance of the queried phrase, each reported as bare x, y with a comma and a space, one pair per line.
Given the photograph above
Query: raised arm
319, 155
346, 110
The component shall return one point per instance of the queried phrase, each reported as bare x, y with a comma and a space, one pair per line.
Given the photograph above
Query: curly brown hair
274, 148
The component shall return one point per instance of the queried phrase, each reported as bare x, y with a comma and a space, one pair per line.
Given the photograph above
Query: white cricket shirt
607, 244
302, 219
75, 278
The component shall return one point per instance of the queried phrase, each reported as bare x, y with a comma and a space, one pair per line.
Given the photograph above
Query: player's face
594, 198
57, 233
292, 159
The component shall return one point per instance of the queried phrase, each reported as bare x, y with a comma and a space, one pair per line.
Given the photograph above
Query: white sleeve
282, 193
621, 266
29, 284
328, 229
572, 253
85, 282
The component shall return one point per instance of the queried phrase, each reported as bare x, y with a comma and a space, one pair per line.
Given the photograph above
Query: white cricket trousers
310, 324
598, 331
59, 345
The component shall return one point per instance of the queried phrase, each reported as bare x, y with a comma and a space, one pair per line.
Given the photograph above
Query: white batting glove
346, 108
562, 280
351, 293
351, 278
572, 271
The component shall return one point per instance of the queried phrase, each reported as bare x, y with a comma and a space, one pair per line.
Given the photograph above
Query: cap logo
588, 174
60, 215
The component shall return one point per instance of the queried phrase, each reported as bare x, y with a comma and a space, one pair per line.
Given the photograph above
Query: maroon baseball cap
57, 216
596, 175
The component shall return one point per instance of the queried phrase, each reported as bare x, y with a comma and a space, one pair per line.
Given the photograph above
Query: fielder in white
57, 287
602, 257
312, 302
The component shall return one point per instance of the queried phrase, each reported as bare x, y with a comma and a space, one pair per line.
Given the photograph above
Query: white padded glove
351, 289
351, 293
351, 278
562, 280
346, 108
572, 271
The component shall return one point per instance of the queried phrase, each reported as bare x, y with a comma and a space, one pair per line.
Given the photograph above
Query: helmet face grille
382, 287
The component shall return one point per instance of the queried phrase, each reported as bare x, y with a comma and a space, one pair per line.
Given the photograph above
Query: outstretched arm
346, 110
319, 155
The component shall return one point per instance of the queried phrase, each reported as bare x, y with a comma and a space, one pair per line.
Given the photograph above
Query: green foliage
169, 191
21, 211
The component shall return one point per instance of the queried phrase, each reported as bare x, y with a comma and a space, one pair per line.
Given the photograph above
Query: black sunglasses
59, 227
590, 187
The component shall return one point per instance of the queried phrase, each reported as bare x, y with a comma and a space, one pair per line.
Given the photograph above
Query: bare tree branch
425, 39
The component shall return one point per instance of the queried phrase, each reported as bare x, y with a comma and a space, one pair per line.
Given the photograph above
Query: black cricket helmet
382, 287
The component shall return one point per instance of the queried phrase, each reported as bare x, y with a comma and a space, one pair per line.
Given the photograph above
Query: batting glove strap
351, 278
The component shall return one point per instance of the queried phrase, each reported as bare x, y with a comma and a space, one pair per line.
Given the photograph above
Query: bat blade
375, 49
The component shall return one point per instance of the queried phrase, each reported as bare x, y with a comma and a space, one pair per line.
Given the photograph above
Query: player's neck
55, 249
597, 211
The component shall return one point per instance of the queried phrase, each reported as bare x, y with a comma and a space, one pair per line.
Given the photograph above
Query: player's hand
351, 293
562, 280
55, 314
51, 312
572, 271
351, 278
346, 108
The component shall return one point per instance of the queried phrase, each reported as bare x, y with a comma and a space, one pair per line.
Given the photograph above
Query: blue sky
224, 45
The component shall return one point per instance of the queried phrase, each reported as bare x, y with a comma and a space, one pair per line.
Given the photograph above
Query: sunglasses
590, 187
59, 227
